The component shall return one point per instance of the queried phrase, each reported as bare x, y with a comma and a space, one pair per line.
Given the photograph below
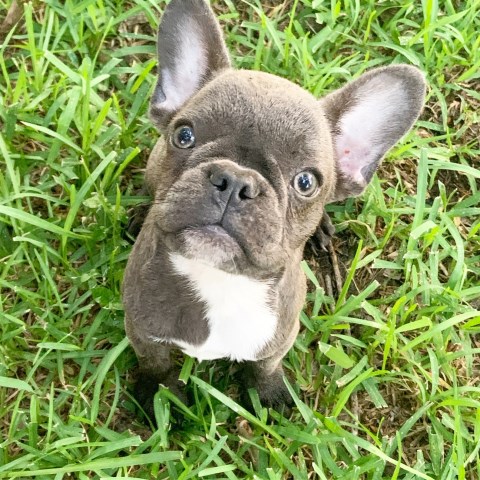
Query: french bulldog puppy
239, 179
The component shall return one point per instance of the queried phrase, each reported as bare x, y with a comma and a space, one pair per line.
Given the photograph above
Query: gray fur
258, 131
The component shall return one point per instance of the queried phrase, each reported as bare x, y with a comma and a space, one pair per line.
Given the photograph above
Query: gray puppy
245, 165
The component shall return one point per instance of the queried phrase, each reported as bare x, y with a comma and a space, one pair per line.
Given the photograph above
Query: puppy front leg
154, 367
266, 376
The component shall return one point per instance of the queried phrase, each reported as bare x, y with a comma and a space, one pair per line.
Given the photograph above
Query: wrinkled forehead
258, 108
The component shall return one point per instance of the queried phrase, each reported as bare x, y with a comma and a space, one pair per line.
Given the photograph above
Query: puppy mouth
214, 233
212, 229
210, 243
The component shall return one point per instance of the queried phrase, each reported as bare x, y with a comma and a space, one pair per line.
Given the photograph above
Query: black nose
236, 186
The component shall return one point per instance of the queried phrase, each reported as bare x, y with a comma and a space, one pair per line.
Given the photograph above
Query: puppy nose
237, 186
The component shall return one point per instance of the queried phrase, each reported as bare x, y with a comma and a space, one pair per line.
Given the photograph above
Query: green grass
385, 373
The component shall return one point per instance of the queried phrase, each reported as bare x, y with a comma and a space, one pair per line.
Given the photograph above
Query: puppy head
248, 160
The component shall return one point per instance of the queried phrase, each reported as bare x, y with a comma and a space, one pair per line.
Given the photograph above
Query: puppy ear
367, 117
191, 51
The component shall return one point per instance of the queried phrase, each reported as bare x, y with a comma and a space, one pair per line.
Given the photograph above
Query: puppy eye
183, 137
305, 183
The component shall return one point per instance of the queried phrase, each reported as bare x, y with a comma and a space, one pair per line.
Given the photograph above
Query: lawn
385, 373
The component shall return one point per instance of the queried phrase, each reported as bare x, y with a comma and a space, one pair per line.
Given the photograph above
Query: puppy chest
237, 308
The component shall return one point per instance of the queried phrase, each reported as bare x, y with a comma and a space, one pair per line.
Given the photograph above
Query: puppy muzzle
223, 210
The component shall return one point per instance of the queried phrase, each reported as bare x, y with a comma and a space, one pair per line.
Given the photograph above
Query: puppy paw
136, 218
144, 391
147, 385
275, 395
324, 232
271, 390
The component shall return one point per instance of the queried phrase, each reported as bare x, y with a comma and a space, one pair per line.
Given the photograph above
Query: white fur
181, 81
237, 310
361, 129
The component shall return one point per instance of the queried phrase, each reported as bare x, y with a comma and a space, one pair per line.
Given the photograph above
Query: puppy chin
212, 245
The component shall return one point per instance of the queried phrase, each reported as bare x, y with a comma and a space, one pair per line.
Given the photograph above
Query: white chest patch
237, 311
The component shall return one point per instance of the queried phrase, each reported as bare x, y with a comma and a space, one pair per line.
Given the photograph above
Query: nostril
245, 193
223, 186
219, 181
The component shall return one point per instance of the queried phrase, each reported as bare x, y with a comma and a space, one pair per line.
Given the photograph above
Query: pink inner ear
364, 129
354, 155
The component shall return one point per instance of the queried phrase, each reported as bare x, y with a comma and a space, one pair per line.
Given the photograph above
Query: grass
385, 372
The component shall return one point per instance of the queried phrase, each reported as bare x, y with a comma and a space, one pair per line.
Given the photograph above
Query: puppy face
246, 167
